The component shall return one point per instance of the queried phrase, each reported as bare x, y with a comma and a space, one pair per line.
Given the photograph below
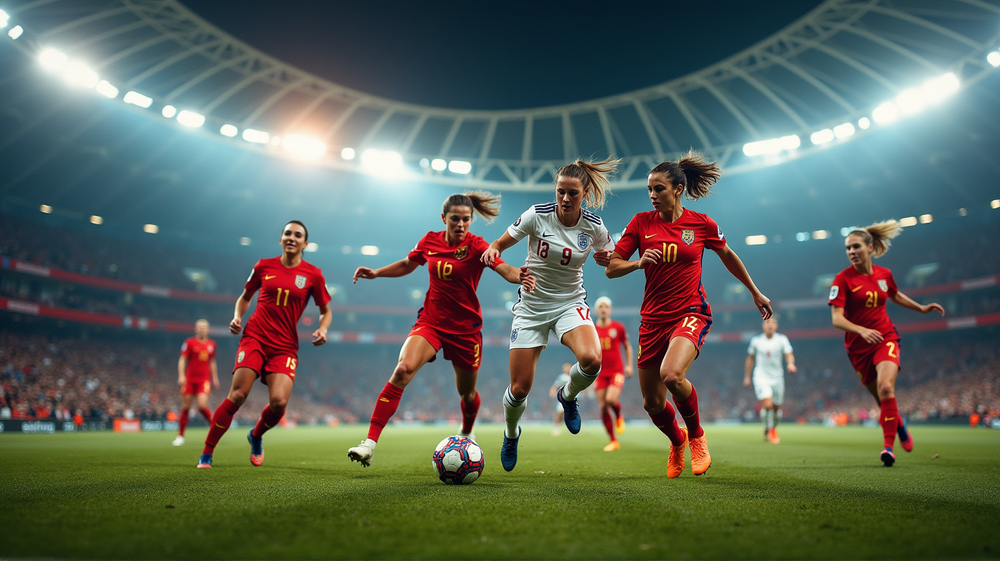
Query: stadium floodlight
820, 235
228, 130
911, 101
369, 250
244, 241
756, 240
169, 111
762, 147
94, 219
384, 161
886, 113
106, 89
846, 230
962, 212
926, 218
908, 221
347, 153
802, 236
190, 119
937, 89
4, 18
459, 167
864, 123
46, 209
137, 99
304, 147
843, 131
993, 58
77, 73
822, 137
790, 142
52, 60
995, 203
275, 140
15, 32
256, 136
312, 247
150, 228
437, 164
425, 163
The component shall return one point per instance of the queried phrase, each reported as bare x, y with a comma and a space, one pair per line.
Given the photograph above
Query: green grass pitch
821, 493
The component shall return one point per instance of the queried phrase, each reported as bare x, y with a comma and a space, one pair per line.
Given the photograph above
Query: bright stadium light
4, 18
244, 241
822, 137
459, 167
52, 60
256, 136
790, 142
15, 32
756, 240
995, 203
150, 228
910, 101
846, 230
137, 99
864, 123
993, 58
425, 163
229, 130
926, 218
46, 209
369, 250
908, 221
312, 247
275, 140
381, 160
437, 164
190, 119
79, 74
94, 219
304, 147
936, 90
762, 147
843, 131
962, 212
802, 236
886, 113
821, 235
106, 89
347, 153
169, 111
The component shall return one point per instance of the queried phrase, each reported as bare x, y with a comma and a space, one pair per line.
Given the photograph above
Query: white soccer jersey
768, 354
556, 255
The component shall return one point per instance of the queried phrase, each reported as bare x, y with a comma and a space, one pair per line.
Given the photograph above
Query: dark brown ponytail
692, 173
483, 203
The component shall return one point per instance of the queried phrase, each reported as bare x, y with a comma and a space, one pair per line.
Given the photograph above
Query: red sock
183, 422
385, 407
268, 420
889, 419
469, 412
618, 410
207, 413
666, 421
689, 410
220, 424
608, 423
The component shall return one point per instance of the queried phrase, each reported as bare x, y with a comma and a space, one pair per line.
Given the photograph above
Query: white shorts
770, 388
530, 330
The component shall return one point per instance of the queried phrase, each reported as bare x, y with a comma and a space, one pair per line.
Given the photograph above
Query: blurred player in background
561, 235
675, 313
857, 302
763, 367
561, 380
451, 318
197, 374
270, 344
613, 371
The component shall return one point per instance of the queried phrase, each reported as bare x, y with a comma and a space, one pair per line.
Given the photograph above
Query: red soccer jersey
451, 304
863, 298
199, 354
673, 286
284, 293
613, 338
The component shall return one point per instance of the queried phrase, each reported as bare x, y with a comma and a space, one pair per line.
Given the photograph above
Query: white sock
777, 416
512, 411
770, 419
578, 381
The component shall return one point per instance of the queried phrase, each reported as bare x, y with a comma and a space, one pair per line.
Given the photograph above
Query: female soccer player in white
764, 364
560, 236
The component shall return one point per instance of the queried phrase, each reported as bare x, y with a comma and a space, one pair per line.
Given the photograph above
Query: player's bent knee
237, 396
653, 406
518, 391
590, 362
671, 377
402, 375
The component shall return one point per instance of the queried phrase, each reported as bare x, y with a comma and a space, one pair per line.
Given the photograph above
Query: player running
450, 318
857, 300
675, 313
561, 380
561, 235
613, 372
197, 374
270, 343
764, 363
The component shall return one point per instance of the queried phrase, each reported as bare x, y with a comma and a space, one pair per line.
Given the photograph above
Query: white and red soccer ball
458, 460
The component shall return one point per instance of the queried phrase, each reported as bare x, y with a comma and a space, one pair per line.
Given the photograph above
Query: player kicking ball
763, 367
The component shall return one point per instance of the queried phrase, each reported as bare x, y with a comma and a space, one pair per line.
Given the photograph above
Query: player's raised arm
400, 268
910, 304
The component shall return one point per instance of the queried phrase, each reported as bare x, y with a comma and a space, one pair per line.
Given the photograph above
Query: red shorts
654, 338
464, 351
864, 362
196, 388
264, 360
617, 380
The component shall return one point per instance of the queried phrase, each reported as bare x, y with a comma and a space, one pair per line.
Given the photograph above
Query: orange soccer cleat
675, 463
620, 424
613, 446
701, 460
772, 436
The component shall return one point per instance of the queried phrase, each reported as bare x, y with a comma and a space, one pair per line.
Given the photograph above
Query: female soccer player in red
857, 300
675, 313
613, 371
270, 344
450, 318
561, 235
197, 374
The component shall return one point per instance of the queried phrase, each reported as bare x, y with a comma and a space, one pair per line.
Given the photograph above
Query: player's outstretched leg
578, 381
508, 451
221, 420
256, 448
269, 418
469, 412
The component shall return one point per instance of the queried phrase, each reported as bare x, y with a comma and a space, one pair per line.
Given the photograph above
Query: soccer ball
458, 460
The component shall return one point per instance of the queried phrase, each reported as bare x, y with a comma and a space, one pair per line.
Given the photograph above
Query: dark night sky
500, 55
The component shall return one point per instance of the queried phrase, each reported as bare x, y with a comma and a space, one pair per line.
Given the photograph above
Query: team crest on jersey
613, 333
300, 281
883, 285
720, 233
687, 236
462, 252
834, 291
513, 335
583, 240
239, 357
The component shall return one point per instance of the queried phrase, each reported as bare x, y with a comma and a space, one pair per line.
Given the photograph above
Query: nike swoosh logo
649, 236
857, 288
269, 277
546, 235
220, 426
383, 399
887, 419
432, 253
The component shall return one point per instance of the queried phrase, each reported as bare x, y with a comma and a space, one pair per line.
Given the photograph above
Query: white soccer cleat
178, 441
362, 453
